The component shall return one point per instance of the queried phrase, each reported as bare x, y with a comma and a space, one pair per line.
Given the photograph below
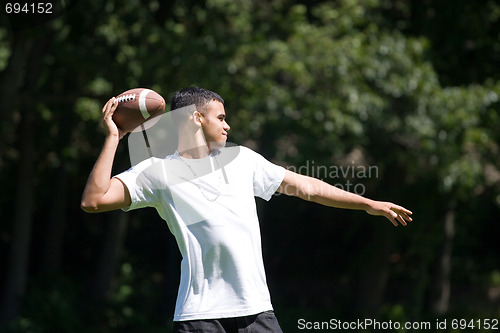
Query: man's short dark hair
194, 95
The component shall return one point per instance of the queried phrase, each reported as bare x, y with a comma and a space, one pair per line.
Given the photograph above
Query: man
205, 192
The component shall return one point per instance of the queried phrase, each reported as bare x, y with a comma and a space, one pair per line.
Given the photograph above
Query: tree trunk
442, 281
11, 80
17, 272
53, 240
110, 255
374, 273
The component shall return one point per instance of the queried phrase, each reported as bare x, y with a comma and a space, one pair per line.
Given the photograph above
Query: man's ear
197, 117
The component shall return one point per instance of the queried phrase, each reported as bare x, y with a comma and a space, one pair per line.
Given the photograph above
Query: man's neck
193, 145
194, 153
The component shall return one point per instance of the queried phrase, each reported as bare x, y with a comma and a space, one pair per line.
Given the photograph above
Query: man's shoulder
250, 154
142, 165
236, 152
239, 149
152, 166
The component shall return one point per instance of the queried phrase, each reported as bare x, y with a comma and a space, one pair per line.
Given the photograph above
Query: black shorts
259, 323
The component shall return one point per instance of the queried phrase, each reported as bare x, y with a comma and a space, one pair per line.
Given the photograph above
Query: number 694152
31, 8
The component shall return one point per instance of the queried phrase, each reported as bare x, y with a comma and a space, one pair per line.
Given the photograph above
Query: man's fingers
112, 107
393, 220
108, 104
401, 220
109, 108
402, 209
407, 217
402, 213
107, 122
400, 217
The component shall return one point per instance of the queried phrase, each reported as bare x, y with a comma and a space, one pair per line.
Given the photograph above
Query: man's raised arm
315, 190
103, 193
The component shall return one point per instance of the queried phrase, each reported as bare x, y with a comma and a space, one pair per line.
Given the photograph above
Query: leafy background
410, 87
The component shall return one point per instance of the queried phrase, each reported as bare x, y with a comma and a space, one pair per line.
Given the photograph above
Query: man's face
214, 125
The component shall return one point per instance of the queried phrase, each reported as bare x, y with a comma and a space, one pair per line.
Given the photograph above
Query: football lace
125, 98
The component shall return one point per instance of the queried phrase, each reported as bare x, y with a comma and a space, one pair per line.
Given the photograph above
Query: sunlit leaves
88, 109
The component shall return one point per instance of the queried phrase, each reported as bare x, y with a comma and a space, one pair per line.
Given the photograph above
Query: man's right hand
109, 126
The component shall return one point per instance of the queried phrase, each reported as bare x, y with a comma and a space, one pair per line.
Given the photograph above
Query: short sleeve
140, 185
267, 176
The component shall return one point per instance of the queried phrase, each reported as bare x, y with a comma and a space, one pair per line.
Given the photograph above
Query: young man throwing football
205, 192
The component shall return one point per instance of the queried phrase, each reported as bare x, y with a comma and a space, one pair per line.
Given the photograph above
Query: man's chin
217, 145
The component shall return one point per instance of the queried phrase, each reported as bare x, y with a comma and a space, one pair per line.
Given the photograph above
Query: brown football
135, 106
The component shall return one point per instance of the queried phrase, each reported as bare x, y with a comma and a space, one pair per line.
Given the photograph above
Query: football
135, 106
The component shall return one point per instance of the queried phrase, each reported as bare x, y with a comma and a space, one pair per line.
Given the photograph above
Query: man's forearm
332, 196
99, 179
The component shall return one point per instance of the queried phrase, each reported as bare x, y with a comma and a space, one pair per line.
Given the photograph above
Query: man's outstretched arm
103, 193
318, 191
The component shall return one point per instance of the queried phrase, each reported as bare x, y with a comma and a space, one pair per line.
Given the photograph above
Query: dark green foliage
409, 88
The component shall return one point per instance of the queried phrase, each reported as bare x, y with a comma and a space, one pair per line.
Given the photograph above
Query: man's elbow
89, 207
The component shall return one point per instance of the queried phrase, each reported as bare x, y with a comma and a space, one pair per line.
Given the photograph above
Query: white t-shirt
209, 207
